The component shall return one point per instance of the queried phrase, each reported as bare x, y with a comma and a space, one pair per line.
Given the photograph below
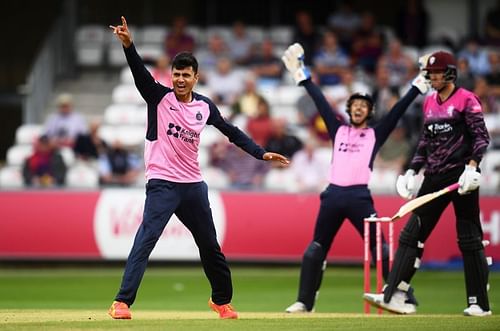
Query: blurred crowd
348, 53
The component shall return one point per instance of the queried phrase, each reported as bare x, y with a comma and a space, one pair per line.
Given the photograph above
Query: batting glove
469, 180
421, 83
293, 58
405, 185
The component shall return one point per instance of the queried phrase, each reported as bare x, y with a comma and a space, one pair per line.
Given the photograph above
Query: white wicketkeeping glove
422, 61
405, 185
421, 83
469, 180
293, 58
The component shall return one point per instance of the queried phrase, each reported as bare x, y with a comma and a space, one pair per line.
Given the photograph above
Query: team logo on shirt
179, 132
439, 128
350, 147
199, 117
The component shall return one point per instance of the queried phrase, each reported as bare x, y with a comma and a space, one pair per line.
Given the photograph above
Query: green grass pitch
175, 298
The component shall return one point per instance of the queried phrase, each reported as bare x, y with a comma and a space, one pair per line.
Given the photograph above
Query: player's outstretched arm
123, 33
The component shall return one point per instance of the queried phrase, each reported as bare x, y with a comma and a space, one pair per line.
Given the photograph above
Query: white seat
198, 34
256, 33
90, 42
150, 52
128, 135
287, 112
491, 160
281, 35
126, 76
209, 136
215, 178
82, 175
68, 156
154, 34
288, 95
383, 181
434, 48
220, 30
28, 133
120, 114
11, 177
280, 180
126, 94
204, 157
412, 52
116, 57
17, 154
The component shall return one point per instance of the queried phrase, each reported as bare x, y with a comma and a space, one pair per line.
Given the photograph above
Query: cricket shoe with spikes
298, 307
225, 311
475, 310
119, 310
399, 302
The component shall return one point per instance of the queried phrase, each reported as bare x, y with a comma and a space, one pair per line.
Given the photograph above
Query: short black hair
185, 60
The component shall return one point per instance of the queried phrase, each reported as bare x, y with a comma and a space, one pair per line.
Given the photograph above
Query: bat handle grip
453, 187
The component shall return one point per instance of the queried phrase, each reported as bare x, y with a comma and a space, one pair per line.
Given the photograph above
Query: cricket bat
420, 201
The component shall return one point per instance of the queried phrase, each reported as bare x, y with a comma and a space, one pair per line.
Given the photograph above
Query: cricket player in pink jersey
347, 196
452, 143
176, 117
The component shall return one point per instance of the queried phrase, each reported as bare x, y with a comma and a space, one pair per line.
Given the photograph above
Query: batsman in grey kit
451, 146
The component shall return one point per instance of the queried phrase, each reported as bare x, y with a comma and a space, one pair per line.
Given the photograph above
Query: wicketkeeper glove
405, 185
469, 180
293, 58
421, 83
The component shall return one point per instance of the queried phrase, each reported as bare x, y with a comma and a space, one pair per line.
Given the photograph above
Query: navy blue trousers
189, 202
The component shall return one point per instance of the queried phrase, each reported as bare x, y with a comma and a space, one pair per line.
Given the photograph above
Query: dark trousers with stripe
189, 202
338, 203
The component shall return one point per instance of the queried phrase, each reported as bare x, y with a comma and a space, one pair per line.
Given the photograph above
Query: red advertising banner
251, 226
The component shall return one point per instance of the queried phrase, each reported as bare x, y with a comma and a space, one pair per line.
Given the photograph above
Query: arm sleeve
475, 124
420, 156
233, 133
150, 90
324, 108
389, 121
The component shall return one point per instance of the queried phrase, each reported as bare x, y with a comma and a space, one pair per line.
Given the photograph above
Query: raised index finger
124, 22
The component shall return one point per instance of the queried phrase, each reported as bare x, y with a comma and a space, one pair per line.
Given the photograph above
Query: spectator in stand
208, 56
306, 34
118, 166
413, 23
244, 171
309, 168
397, 62
161, 71
260, 126
483, 92
492, 26
225, 82
282, 141
330, 60
267, 66
465, 78
246, 103
45, 167
89, 146
382, 92
367, 45
178, 39
477, 57
345, 22
493, 78
241, 44
63, 126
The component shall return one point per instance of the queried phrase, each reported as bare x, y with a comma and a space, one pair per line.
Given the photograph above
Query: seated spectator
66, 124
244, 171
118, 166
412, 23
330, 60
477, 57
45, 167
208, 56
465, 78
246, 103
394, 153
367, 44
241, 44
267, 66
396, 62
90, 146
224, 82
281, 141
260, 126
178, 39
309, 168
306, 34
161, 72
344, 22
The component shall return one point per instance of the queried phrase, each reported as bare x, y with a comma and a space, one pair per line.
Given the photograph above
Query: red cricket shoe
225, 311
119, 310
